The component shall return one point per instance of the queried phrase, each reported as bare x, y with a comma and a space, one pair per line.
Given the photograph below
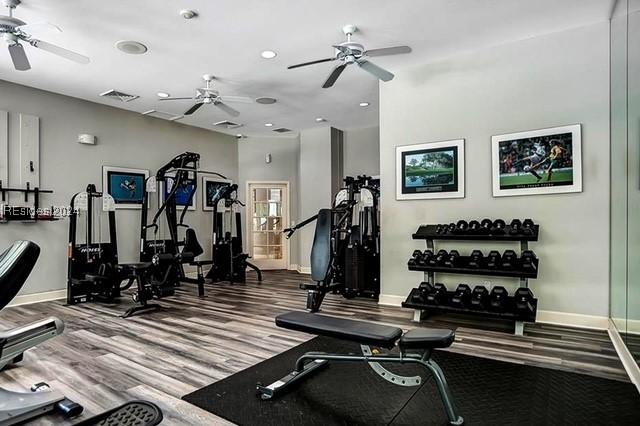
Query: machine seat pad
346, 329
95, 277
427, 338
134, 267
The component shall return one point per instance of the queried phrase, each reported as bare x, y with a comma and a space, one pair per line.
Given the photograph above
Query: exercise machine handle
288, 232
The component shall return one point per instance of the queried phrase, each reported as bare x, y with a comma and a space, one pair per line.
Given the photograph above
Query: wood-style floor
102, 360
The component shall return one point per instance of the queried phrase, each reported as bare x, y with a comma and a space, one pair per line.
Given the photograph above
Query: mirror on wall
625, 173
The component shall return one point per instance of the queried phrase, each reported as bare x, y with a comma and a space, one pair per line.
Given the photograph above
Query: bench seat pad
427, 338
346, 329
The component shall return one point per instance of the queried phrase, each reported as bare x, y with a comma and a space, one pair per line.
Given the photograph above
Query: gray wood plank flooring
102, 360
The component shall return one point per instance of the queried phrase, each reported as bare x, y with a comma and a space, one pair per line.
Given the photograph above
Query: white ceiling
228, 36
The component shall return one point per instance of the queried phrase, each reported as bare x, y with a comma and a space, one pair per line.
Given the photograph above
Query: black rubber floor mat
485, 392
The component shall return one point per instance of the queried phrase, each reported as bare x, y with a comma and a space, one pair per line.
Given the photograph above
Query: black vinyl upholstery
354, 331
427, 338
191, 244
321, 250
16, 264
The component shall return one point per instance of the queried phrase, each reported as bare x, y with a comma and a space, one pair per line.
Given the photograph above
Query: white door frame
286, 215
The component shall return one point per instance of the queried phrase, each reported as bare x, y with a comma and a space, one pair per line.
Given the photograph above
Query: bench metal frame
311, 362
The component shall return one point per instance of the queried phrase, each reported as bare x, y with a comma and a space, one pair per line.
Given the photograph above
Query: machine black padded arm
354, 331
16, 264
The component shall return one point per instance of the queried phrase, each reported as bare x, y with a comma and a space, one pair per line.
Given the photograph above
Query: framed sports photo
430, 170
183, 194
125, 185
545, 161
211, 187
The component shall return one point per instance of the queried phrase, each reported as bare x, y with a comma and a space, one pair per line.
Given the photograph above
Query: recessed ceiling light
268, 124
266, 101
163, 95
188, 13
268, 54
131, 47
239, 136
364, 104
320, 120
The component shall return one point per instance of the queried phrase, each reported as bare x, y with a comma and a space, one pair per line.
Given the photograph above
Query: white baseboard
628, 361
293, 267
304, 269
547, 317
27, 299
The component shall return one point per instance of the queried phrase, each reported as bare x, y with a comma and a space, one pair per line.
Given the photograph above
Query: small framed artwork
545, 161
183, 194
211, 187
430, 170
126, 186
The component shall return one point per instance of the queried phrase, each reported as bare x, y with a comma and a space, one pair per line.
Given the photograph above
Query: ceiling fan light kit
349, 52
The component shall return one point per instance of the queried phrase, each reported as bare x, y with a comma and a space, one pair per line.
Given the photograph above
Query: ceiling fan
208, 95
14, 31
349, 53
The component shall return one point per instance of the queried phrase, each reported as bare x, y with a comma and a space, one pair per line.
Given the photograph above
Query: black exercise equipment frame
429, 234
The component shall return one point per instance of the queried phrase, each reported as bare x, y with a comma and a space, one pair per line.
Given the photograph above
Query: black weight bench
416, 347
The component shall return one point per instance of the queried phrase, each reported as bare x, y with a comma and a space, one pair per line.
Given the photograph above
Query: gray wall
125, 139
559, 79
362, 151
285, 155
315, 184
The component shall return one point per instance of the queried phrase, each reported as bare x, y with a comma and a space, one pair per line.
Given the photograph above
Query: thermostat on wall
86, 139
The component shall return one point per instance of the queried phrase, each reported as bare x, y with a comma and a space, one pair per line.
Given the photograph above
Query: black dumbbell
438, 295
509, 259
493, 259
479, 298
451, 228
440, 229
474, 227
498, 299
485, 227
524, 301
420, 296
438, 259
476, 259
497, 227
453, 259
461, 296
415, 258
527, 227
461, 227
528, 260
515, 227
424, 259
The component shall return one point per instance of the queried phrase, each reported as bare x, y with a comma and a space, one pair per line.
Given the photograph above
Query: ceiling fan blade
194, 108
304, 64
242, 99
334, 76
60, 51
38, 26
385, 51
19, 58
372, 68
174, 99
226, 108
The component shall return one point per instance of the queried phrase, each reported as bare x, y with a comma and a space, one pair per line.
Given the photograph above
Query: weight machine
227, 263
345, 256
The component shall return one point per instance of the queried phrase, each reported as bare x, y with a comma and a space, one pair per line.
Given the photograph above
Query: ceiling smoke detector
266, 101
188, 13
131, 47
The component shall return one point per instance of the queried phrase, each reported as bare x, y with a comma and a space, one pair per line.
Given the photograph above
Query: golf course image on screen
430, 170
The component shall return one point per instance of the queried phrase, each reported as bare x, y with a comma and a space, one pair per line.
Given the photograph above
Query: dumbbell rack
430, 235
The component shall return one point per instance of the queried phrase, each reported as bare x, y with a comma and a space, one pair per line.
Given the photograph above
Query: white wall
285, 155
558, 79
361, 151
315, 184
125, 139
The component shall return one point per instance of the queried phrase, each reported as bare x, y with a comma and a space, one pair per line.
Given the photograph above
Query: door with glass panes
269, 215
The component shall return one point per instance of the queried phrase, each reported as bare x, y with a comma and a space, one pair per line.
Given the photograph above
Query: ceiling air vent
164, 115
282, 130
119, 96
227, 124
